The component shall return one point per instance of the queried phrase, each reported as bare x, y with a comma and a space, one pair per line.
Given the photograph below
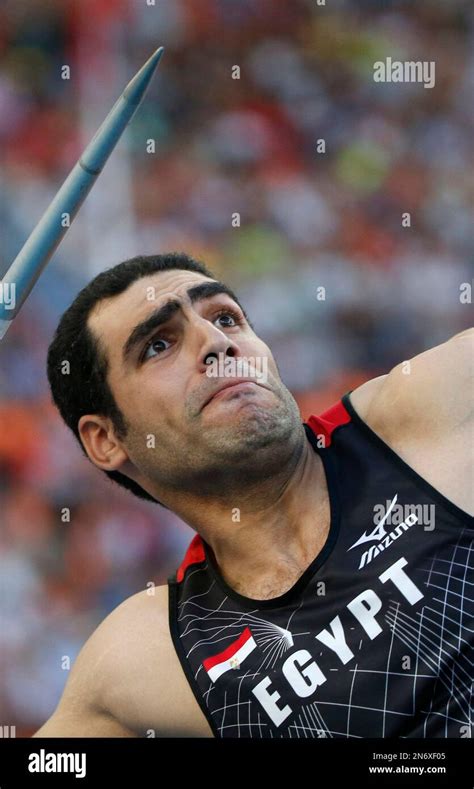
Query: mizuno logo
379, 530
380, 536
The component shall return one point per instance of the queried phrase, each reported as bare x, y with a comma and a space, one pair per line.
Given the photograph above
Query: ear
100, 443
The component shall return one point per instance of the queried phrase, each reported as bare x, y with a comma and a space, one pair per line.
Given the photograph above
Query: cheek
133, 399
264, 351
155, 401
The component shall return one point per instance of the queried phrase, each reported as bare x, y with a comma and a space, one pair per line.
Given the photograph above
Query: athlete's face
183, 427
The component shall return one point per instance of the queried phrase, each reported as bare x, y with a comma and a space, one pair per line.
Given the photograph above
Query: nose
215, 344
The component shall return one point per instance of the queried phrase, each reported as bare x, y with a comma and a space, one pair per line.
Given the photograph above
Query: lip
234, 385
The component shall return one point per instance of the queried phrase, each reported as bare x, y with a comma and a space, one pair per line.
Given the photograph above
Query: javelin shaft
55, 222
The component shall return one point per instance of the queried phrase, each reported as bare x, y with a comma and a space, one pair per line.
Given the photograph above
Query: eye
158, 344
228, 319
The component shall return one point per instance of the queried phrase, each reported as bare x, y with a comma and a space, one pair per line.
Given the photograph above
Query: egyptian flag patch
232, 656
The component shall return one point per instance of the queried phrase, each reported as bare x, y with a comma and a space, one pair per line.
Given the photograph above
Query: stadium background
308, 220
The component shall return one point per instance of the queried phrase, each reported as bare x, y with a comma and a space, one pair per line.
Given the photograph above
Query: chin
253, 428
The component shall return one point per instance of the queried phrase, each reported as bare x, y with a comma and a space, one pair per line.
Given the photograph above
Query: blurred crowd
321, 163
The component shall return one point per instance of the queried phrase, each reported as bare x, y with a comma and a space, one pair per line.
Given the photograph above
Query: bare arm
423, 409
127, 680
428, 395
81, 711
67, 721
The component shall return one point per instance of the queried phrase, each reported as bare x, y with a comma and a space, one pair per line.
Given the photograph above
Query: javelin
55, 222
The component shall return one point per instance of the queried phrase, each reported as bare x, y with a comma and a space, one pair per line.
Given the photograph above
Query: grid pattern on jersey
417, 683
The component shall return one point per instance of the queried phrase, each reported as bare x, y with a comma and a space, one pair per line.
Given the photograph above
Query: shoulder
143, 684
136, 611
103, 684
130, 648
131, 639
143, 615
429, 392
125, 636
127, 680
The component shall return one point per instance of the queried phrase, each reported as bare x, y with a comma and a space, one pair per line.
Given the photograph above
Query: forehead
112, 319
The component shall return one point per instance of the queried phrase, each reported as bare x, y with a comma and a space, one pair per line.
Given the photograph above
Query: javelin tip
47, 235
138, 85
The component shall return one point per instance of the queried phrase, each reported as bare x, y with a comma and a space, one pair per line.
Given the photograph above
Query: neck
264, 537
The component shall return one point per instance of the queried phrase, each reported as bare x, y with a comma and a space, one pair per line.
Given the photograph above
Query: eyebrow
164, 313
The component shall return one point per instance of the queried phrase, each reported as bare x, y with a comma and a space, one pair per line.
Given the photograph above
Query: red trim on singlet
326, 423
193, 555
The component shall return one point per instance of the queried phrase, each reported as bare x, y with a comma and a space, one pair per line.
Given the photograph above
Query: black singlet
375, 639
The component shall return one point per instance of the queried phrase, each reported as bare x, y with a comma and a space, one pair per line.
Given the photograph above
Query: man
328, 590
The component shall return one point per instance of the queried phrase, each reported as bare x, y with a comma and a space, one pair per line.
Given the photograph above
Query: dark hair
84, 389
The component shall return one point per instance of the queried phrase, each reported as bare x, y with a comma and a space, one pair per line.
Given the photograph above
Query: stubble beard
229, 457
250, 447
